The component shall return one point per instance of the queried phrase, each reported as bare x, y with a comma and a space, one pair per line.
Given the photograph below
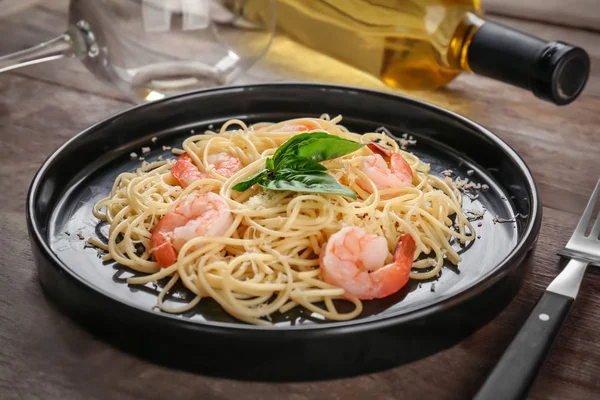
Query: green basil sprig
295, 165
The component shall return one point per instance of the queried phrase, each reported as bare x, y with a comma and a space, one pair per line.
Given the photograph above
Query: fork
514, 373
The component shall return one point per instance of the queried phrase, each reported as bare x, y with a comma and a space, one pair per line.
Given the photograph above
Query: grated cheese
256, 201
474, 215
466, 184
406, 140
471, 196
261, 199
498, 219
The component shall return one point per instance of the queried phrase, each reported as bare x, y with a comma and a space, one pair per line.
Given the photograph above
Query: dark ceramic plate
417, 321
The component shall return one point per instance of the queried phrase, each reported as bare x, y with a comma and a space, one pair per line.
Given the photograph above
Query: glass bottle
424, 44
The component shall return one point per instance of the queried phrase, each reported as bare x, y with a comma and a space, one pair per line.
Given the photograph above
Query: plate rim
524, 244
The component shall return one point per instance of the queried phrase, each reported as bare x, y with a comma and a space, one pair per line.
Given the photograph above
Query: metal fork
517, 368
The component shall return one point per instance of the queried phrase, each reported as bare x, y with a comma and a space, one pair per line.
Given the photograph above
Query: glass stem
59, 47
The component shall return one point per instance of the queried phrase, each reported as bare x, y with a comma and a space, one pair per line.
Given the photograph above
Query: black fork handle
519, 365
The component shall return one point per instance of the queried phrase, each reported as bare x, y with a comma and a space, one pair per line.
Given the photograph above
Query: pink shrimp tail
163, 250
403, 260
400, 167
404, 255
398, 164
379, 149
185, 171
304, 127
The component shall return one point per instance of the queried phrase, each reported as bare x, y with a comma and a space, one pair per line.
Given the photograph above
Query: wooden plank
45, 355
35, 115
10, 7
35, 119
576, 13
74, 365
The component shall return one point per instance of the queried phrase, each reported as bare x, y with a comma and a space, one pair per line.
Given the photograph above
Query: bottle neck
553, 71
461, 40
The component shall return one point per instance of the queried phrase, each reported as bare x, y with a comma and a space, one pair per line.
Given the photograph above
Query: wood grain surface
44, 355
574, 13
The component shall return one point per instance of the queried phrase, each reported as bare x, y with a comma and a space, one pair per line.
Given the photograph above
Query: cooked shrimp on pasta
300, 213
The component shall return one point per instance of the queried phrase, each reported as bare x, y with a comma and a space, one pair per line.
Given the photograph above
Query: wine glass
150, 49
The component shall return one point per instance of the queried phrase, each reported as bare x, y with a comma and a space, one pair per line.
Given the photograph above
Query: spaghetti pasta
267, 258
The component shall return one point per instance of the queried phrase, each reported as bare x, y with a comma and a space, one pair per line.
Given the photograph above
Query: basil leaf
248, 183
306, 181
295, 140
295, 165
300, 164
325, 148
269, 163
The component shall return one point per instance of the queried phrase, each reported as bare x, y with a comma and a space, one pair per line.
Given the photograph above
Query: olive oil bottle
424, 44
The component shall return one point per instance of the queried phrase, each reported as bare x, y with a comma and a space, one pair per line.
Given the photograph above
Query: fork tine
595, 232
587, 214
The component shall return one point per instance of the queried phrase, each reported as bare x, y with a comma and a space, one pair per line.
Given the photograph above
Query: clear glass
150, 49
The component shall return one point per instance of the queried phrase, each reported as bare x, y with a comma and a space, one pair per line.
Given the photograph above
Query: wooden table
44, 355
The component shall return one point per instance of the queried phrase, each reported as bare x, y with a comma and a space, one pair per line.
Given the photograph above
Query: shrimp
205, 214
186, 172
292, 127
354, 260
397, 174
296, 128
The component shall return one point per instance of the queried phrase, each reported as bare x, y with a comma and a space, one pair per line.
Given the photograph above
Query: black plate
417, 321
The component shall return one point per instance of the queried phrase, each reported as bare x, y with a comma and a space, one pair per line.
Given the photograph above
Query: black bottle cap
553, 71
